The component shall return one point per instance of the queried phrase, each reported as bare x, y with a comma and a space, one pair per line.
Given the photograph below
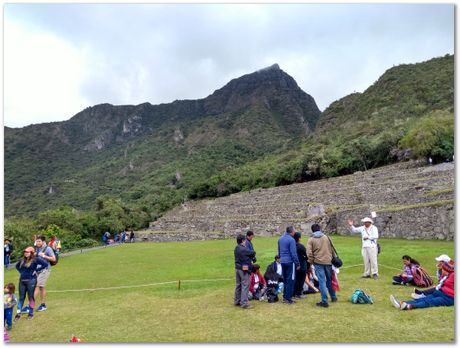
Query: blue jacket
30, 272
287, 249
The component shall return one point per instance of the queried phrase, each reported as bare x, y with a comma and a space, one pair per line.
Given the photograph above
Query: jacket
31, 271
252, 281
302, 255
287, 249
250, 247
319, 249
448, 285
243, 256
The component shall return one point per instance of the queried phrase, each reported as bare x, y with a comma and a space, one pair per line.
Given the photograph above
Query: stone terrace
411, 201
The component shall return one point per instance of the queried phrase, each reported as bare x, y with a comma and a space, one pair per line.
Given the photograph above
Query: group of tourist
294, 272
439, 295
296, 268
120, 237
34, 269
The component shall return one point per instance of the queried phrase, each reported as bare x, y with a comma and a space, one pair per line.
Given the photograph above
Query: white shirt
372, 233
279, 269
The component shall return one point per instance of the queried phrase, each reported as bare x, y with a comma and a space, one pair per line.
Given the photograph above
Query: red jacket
448, 285
252, 281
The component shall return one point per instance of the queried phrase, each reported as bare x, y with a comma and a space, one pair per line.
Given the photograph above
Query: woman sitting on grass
311, 281
27, 267
442, 272
442, 296
406, 277
257, 283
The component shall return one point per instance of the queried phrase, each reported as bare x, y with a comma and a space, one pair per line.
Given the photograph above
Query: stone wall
411, 201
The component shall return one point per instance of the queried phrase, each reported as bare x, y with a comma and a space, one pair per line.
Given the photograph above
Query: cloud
42, 75
157, 53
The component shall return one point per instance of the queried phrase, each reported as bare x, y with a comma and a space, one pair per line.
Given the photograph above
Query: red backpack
421, 278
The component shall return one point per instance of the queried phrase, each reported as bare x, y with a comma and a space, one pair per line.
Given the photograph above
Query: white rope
176, 281
141, 285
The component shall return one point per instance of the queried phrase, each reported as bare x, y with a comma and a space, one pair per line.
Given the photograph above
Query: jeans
27, 285
324, 274
288, 275
8, 313
436, 299
242, 287
6, 260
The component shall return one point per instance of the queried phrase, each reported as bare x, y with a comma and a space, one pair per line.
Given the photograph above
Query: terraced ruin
411, 201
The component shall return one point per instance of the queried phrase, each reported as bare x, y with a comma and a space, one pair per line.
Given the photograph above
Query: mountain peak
271, 67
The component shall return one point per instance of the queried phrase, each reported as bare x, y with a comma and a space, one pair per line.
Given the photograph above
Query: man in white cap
369, 236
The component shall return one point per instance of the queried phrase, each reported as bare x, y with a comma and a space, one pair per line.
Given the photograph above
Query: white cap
443, 258
366, 219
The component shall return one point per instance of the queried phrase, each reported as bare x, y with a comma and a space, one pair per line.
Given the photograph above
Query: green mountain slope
150, 155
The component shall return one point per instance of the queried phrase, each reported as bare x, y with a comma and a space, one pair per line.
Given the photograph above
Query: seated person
276, 265
442, 296
444, 267
311, 281
274, 284
257, 283
406, 277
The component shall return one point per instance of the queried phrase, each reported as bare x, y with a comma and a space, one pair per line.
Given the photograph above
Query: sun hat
366, 219
443, 258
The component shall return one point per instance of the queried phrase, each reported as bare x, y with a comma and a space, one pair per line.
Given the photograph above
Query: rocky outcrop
410, 200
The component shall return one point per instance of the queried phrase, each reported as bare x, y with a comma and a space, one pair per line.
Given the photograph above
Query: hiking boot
246, 306
17, 317
236, 304
30, 316
322, 304
334, 300
395, 302
41, 308
288, 302
375, 276
365, 276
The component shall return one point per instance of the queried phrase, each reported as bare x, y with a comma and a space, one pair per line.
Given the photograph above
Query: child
257, 283
9, 301
406, 277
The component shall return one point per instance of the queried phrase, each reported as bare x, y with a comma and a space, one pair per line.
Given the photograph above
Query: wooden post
178, 285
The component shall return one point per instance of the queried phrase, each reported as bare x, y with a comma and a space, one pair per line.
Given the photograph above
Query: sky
61, 58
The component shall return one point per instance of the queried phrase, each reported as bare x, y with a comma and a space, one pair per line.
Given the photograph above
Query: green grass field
203, 311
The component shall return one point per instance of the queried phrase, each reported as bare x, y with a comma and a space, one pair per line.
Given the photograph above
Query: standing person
369, 236
9, 301
27, 267
7, 250
123, 235
249, 237
131, 237
47, 254
289, 263
301, 273
319, 251
243, 261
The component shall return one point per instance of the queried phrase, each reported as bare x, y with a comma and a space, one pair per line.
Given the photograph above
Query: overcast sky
61, 58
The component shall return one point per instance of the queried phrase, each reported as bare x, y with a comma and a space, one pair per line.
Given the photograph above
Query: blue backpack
360, 297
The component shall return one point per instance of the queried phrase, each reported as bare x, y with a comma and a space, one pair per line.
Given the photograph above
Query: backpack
52, 263
421, 278
360, 297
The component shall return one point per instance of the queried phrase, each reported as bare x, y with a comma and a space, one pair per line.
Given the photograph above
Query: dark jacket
302, 255
243, 256
30, 272
250, 247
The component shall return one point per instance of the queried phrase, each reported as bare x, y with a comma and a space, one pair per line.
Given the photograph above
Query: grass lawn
203, 311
